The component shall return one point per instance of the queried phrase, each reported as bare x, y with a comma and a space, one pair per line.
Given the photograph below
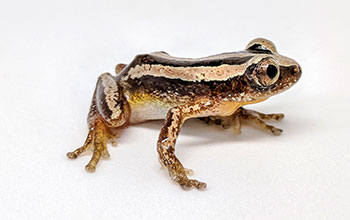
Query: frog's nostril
296, 69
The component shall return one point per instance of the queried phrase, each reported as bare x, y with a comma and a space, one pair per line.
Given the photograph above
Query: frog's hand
167, 138
243, 114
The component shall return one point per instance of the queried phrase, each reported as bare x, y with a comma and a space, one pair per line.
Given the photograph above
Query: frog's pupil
271, 71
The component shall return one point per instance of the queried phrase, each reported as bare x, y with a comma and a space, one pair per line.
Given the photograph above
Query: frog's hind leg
225, 121
243, 114
96, 141
119, 67
108, 110
259, 119
262, 116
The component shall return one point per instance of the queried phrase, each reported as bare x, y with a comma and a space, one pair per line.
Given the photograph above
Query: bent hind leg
243, 114
108, 110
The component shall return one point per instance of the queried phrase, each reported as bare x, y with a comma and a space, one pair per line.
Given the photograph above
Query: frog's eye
266, 72
261, 45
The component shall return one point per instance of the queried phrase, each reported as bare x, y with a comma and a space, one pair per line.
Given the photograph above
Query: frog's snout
297, 71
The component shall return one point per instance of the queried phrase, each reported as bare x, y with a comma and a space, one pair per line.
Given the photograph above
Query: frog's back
153, 83
164, 59
160, 72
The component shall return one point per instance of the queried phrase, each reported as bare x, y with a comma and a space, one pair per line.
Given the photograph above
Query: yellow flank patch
139, 99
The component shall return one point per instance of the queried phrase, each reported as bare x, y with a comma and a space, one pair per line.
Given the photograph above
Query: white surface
51, 54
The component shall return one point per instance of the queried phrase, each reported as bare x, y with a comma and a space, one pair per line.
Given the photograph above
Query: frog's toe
274, 130
192, 183
278, 117
90, 168
88, 142
179, 174
71, 155
105, 153
272, 117
197, 184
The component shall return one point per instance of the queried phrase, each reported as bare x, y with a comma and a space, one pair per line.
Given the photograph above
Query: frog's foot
243, 114
119, 67
179, 174
96, 140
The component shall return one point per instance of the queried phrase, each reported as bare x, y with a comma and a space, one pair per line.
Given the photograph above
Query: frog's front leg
243, 114
108, 110
167, 139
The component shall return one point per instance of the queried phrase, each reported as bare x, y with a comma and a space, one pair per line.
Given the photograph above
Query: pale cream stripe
204, 73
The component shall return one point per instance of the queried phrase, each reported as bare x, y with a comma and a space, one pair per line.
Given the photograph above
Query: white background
51, 53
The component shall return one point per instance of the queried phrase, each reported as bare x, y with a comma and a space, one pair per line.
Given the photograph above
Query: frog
213, 89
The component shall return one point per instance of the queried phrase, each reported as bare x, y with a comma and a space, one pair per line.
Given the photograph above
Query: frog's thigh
167, 139
111, 104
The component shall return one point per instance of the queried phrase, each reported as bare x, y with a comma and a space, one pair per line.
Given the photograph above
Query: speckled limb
167, 139
242, 114
100, 147
108, 109
268, 117
258, 118
96, 141
86, 146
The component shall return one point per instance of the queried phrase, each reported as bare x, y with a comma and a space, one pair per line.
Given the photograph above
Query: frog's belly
147, 111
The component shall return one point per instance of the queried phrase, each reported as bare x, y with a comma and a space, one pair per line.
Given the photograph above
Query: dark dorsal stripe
169, 61
164, 86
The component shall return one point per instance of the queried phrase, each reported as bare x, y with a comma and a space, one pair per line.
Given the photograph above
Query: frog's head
268, 72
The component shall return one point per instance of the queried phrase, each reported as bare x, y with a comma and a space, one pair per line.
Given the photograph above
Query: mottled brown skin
213, 89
